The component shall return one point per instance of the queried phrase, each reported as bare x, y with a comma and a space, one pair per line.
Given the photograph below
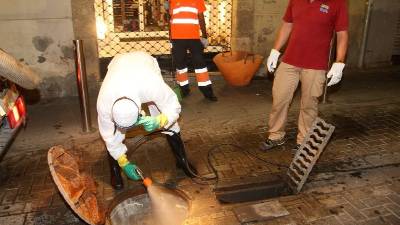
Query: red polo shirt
313, 26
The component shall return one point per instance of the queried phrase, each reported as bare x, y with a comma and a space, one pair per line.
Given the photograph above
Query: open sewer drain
157, 205
160, 206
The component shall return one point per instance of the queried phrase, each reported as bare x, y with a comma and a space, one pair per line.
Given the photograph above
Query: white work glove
204, 41
166, 5
335, 73
272, 60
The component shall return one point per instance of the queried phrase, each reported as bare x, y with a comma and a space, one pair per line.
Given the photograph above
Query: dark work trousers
180, 47
115, 171
179, 52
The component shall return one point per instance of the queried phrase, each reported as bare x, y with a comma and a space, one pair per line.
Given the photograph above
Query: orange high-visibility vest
185, 18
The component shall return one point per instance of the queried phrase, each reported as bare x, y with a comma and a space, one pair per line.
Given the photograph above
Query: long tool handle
331, 50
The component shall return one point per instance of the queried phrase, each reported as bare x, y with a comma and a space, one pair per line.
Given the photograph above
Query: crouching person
134, 79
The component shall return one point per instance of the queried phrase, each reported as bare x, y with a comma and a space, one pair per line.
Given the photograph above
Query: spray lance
146, 181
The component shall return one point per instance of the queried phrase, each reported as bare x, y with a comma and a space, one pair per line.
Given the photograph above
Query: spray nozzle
146, 181
140, 173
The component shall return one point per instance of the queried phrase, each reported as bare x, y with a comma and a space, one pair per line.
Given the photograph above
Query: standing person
186, 20
134, 79
309, 26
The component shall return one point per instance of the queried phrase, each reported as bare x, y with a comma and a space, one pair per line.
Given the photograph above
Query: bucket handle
247, 55
223, 54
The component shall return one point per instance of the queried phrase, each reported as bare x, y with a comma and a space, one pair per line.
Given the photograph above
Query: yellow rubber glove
122, 160
151, 123
162, 120
128, 167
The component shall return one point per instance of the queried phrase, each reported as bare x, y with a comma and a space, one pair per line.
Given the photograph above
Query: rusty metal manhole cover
77, 188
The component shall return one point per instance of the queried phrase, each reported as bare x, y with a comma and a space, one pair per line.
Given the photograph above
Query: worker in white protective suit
134, 79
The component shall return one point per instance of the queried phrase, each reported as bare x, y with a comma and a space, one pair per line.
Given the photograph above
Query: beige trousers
286, 80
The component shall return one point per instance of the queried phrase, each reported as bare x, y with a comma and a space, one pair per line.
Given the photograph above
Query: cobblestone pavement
356, 180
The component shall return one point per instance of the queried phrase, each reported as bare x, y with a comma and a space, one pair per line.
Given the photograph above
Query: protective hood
125, 112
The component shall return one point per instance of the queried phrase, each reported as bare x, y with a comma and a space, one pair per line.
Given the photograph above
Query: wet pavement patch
58, 216
41, 43
260, 212
41, 59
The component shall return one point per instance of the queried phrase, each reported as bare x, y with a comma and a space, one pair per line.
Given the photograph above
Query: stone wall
256, 23
385, 16
40, 33
357, 10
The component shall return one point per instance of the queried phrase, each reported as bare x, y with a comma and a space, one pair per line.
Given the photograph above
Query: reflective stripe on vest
185, 21
185, 9
185, 15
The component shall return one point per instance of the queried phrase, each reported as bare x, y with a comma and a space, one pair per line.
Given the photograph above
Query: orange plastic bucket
238, 67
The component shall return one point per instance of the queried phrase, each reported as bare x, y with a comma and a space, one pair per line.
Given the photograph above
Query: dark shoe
270, 144
185, 90
208, 93
115, 170
177, 147
212, 98
296, 148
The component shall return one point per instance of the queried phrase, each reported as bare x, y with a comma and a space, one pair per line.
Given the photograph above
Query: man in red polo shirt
309, 26
186, 21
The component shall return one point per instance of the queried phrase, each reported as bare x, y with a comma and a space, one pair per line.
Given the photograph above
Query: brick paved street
356, 180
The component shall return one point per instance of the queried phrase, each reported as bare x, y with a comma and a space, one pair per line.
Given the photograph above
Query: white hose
17, 72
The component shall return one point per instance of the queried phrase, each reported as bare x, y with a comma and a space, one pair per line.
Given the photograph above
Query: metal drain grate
308, 154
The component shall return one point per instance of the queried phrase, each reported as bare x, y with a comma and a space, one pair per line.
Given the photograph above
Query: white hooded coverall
136, 76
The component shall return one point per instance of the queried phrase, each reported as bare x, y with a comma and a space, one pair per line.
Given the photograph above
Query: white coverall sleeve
164, 97
167, 101
113, 141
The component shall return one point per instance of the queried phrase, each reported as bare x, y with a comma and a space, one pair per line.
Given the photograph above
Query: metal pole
325, 92
331, 55
81, 80
361, 59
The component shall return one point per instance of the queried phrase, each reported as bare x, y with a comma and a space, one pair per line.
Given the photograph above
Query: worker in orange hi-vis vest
186, 20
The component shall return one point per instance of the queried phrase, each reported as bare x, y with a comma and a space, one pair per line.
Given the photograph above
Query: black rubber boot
177, 147
208, 93
185, 90
115, 170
